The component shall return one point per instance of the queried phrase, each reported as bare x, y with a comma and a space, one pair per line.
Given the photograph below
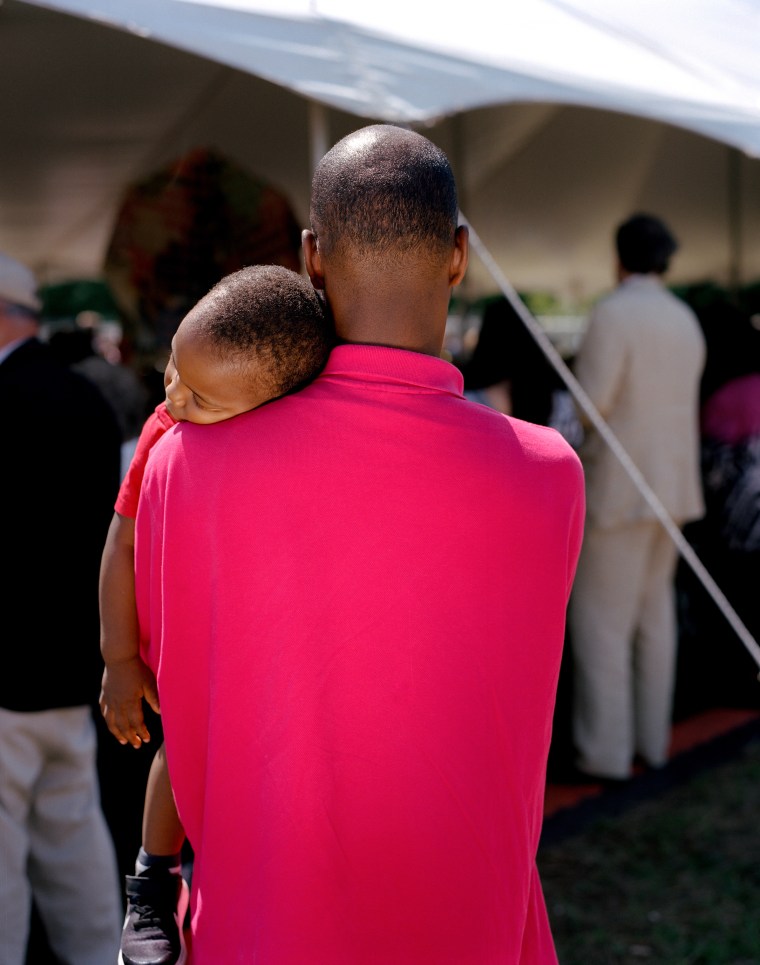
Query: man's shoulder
544, 445
643, 290
611, 312
545, 469
29, 355
39, 374
618, 302
647, 300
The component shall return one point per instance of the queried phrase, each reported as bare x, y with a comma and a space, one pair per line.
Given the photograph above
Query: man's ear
460, 255
312, 259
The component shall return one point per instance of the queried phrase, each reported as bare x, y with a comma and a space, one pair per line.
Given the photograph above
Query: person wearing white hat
61, 445
18, 285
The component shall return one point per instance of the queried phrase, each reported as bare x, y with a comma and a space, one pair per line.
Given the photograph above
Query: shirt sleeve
158, 423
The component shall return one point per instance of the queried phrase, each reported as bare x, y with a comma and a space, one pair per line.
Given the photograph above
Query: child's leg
162, 833
156, 893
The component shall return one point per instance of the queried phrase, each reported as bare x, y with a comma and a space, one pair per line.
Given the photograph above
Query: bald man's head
384, 191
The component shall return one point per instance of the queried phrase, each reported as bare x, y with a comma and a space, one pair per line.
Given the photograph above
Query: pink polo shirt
355, 599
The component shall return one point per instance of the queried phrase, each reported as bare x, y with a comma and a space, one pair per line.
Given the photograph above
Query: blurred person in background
640, 362
509, 372
61, 447
81, 348
714, 668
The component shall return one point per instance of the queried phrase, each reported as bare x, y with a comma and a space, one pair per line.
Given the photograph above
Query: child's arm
126, 679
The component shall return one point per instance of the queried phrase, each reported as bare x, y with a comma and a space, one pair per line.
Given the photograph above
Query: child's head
259, 333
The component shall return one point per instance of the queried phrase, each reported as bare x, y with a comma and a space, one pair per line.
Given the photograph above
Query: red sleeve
157, 423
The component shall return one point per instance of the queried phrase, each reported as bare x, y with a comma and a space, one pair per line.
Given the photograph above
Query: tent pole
734, 219
318, 133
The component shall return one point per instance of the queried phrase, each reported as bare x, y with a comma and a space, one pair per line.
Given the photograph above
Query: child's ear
312, 258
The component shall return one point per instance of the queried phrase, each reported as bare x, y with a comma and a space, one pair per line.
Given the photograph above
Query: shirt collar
397, 369
643, 281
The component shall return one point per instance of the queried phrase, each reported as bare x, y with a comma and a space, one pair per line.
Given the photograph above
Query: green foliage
67, 299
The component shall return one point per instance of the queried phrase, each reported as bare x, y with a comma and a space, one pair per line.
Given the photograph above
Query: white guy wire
595, 418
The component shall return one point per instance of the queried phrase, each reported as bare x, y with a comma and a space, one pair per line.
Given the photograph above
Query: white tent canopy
560, 116
693, 63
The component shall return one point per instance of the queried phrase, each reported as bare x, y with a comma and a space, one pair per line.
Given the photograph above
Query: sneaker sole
179, 915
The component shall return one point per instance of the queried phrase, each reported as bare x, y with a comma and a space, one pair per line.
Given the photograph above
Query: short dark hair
645, 245
270, 316
383, 190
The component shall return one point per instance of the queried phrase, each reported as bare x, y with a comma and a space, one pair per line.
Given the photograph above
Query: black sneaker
152, 933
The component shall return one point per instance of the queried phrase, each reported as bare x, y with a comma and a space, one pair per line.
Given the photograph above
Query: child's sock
147, 864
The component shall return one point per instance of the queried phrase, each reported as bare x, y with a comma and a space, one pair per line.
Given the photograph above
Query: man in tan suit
640, 363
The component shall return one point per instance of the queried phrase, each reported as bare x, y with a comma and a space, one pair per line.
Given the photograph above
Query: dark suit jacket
60, 451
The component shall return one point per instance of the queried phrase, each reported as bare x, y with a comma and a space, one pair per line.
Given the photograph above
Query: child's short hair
268, 322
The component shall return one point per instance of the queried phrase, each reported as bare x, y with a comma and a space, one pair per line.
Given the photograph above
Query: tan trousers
623, 633
54, 841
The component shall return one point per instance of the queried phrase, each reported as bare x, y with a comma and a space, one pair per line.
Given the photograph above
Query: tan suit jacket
640, 362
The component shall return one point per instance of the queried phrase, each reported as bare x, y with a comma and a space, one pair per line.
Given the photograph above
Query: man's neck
624, 275
394, 318
360, 334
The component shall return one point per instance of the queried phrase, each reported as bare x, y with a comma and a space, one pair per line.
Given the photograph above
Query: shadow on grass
665, 871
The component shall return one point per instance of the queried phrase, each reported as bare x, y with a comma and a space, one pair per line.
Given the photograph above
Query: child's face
204, 389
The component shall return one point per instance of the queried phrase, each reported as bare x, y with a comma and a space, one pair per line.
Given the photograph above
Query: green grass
673, 881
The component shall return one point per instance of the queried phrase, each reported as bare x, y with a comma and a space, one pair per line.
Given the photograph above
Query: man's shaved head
384, 191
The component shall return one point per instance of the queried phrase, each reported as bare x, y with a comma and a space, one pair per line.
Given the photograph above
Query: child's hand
124, 685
